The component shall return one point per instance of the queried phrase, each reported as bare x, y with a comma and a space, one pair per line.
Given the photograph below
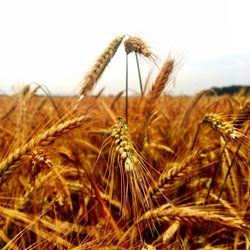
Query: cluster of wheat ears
146, 172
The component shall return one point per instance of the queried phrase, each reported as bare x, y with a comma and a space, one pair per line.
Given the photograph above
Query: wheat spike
124, 146
151, 100
98, 68
135, 175
176, 173
137, 45
226, 129
190, 215
158, 87
8, 165
170, 232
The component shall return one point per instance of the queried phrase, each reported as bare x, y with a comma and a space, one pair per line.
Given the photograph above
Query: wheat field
151, 171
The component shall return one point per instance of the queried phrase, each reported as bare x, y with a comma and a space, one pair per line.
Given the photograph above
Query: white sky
55, 42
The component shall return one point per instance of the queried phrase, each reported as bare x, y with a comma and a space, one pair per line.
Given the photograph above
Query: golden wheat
98, 68
137, 45
8, 165
226, 129
96, 188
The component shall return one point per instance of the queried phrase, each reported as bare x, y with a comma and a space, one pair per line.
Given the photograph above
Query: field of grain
146, 172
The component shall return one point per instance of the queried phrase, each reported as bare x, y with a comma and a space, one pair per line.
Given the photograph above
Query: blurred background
55, 42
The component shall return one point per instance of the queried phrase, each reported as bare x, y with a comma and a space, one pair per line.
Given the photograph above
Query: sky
54, 43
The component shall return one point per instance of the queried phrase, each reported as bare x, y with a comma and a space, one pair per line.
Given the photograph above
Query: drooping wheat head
137, 45
124, 146
134, 173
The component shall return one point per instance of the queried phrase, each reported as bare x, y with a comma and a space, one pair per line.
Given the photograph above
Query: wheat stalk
193, 104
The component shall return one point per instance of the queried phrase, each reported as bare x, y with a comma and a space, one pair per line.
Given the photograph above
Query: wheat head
98, 68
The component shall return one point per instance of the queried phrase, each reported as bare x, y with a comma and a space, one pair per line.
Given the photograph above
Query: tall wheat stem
229, 169
126, 104
215, 174
139, 73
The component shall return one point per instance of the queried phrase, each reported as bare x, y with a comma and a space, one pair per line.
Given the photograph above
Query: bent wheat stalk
193, 104
8, 165
230, 167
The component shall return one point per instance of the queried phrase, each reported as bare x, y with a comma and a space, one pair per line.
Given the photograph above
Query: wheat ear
137, 45
158, 87
169, 234
151, 100
8, 165
135, 175
98, 68
190, 215
226, 129
179, 172
124, 146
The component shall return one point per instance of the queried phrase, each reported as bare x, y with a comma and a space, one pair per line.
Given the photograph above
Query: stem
139, 73
229, 169
195, 137
215, 174
126, 104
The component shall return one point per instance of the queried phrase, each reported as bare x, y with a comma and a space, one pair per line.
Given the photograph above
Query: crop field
147, 172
